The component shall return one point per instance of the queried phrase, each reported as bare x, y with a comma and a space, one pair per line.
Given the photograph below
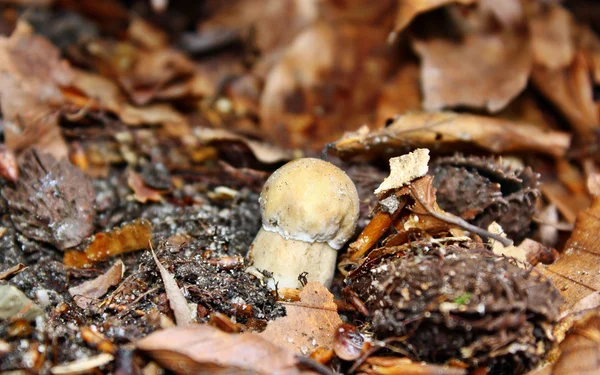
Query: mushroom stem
288, 259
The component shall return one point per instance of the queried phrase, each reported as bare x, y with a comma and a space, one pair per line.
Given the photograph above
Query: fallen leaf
568, 203
404, 366
574, 274
308, 324
408, 9
490, 82
400, 94
264, 152
141, 192
154, 114
404, 169
325, 83
571, 90
579, 351
552, 30
83, 366
202, 349
85, 293
53, 201
32, 72
97, 87
177, 301
448, 131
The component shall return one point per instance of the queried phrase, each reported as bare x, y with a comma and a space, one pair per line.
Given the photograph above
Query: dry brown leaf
202, 349
154, 114
448, 131
325, 83
308, 324
145, 34
85, 293
570, 89
408, 9
575, 273
568, 203
552, 41
141, 192
177, 301
31, 74
400, 94
482, 71
82, 366
97, 87
142, 73
264, 152
404, 366
579, 351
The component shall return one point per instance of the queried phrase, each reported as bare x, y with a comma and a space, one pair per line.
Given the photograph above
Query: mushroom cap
310, 200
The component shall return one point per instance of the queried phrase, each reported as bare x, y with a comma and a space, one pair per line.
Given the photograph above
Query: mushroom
309, 210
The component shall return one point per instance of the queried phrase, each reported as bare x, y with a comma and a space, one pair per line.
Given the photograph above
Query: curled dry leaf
9, 168
141, 192
82, 366
84, 294
575, 273
395, 365
491, 82
448, 131
264, 152
53, 201
308, 324
153, 114
408, 9
571, 90
129, 237
205, 349
177, 301
580, 350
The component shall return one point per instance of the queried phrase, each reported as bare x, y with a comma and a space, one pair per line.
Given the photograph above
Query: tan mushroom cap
310, 200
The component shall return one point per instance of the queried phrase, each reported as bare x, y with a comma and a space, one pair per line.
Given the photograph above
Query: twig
449, 218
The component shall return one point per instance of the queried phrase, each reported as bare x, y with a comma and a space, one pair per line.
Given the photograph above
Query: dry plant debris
135, 125
309, 324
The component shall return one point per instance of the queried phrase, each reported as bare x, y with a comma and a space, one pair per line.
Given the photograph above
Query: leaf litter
158, 130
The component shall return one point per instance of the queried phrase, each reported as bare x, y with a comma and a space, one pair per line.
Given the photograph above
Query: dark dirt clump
480, 308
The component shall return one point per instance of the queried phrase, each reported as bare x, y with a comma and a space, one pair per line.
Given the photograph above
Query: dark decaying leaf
85, 293
482, 190
53, 201
202, 349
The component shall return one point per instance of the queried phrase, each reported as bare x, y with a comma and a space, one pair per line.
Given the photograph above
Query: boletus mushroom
309, 210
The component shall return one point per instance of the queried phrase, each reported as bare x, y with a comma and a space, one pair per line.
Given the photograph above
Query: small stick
449, 218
